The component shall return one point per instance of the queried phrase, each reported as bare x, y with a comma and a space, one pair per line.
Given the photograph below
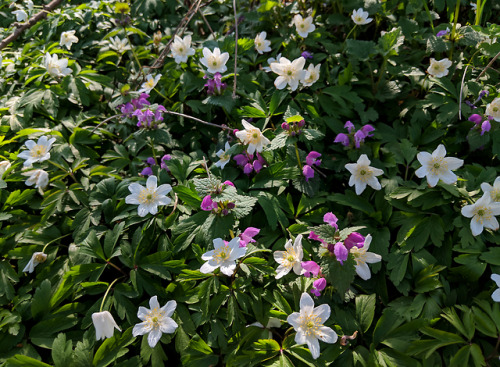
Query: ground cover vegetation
249, 183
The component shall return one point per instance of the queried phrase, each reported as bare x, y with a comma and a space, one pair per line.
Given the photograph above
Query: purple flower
308, 172
314, 236
311, 158
443, 33
341, 252
248, 168
247, 236
475, 118
485, 126
318, 286
228, 183
207, 204
147, 171
311, 268
215, 85
306, 55
331, 219
342, 138
241, 159
257, 165
127, 109
151, 161
349, 126
165, 159
141, 101
359, 137
285, 126
354, 239
366, 129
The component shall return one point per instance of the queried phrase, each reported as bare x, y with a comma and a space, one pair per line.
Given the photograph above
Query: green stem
479, 11
298, 156
106, 294
133, 52
454, 30
348, 34
54, 240
428, 14
153, 149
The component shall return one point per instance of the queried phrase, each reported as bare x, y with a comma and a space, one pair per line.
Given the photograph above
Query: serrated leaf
365, 310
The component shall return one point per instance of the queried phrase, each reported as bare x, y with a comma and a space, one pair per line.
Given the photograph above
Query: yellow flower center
148, 196
38, 151
221, 254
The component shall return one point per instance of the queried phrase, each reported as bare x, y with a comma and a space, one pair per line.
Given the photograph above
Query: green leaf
427, 346
351, 200
24, 361
282, 303
365, 310
279, 141
113, 348
62, 351
466, 328
273, 210
461, 358
41, 300
338, 275
428, 279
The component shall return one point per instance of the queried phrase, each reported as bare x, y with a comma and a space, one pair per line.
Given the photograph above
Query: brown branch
487, 66
235, 48
30, 23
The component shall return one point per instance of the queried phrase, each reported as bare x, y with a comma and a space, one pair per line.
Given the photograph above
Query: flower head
363, 258
148, 198
150, 83
21, 15
363, 174
155, 321
360, 17
261, 44
341, 252
215, 61
493, 191
271, 60
37, 177
214, 85
496, 294
438, 69
331, 219
223, 256
36, 258
290, 258
483, 214
303, 26
493, 109
119, 45
437, 167
443, 33
309, 325
310, 268
104, 325
290, 73
37, 152
207, 204
248, 235
354, 239
253, 137
318, 286
4, 166
56, 67
312, 75
181, 48
224, 157
68, 38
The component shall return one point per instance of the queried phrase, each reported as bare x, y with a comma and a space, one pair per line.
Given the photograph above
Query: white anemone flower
119, 45
67, 39
303, 26
312, 75
493, 109
271, 60
223, 256
56, 67
37, 177
290, 259
104, 325
493, 191
148, 198
363, 174
496, 294
438, 69
21, 15
261, 44
37, 152
290, 73
253, 137
155, 321
150, 83
437, 167
181, 48
4, 166
223, 156
363, 258
483, 214
215, 61
309, 325
36, 258
360, 17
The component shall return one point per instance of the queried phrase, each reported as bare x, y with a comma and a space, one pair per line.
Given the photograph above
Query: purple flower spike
151, 161
241, 159
147, 171
475, 118
312, 158
247, 236
207, 204
359, 137
311, 268
306, 55
354, 239
248, 168
318, 286
485, 126
367, 129
349, 126
331, 219
341, 252
342, 138
308, 172
443, 33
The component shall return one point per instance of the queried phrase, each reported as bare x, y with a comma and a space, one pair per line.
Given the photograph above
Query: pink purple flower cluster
293, 128
222, 208
148, 171
249, 163
481, 123
215, 86
312, 269
129, 108
353, 137
311, 160
148, 116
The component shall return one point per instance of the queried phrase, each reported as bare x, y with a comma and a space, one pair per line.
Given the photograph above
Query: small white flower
483, 214
150, 83
363, 174
496, 294
119, 45
290, 73
215, 61
363, 258
261, 44
181, 48
473, 6
36, 258
438, 69
104, 325
494, 190
223, 256
289, 259
437, 167
56, 67
68, 38
253, 137
271, 60
4, 166
312, 75
223, 156
21, 15
360, 17
37, 177
156, 321
303, 26
493, 109
148, 198
37, 152
30, 5
309, 325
